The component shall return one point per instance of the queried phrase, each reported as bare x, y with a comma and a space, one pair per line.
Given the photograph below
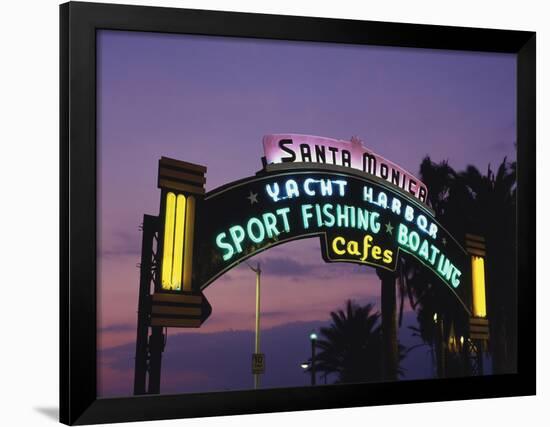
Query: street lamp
256, 373
313, 339
304, 365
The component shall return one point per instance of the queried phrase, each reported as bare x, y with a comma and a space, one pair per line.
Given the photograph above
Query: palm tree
471, 202
493, 213
351, 347
449, 199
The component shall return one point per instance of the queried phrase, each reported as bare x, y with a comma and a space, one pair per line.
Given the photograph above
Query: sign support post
389, 324
156, 347
168, 265
148, 261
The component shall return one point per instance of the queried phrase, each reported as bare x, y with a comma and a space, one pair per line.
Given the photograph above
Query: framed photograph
267, 213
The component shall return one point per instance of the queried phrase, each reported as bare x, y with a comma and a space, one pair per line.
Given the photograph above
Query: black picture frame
78, 357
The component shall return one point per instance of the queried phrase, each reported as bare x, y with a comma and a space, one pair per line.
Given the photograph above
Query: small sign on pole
258, 363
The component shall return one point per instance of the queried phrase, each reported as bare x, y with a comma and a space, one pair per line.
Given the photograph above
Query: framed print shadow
268, 213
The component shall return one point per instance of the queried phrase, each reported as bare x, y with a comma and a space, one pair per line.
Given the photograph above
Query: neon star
389, 228
253, 197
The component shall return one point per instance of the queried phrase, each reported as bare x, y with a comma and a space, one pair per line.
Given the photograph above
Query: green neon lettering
273, 192
414, 240
351, 210
329, 217
224, 246
291, 187
326, 187
318, 215
374, 222
307, 189
270, 222
424, 251
409, 213
433, 230
306, 215
444, 267
382, 200
362, 219
341, 186
237, 235
367, 194
283, 212
422, 223
256, 238
455, 279
396, 206
435, 251
402, 234
341, 216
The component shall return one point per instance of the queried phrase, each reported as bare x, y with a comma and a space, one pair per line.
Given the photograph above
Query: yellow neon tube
189, 235
168, 248
478, 287
178, 243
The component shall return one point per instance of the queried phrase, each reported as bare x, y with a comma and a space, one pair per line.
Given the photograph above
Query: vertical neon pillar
479, 323
181, 184
475, 245
479, 306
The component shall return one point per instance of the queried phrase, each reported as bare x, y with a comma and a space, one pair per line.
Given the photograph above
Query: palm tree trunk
389, 325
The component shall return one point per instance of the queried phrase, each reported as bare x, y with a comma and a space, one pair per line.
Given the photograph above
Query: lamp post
258, 272
313, 339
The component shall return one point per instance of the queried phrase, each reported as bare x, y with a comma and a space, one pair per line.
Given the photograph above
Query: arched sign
363, 208
358, 218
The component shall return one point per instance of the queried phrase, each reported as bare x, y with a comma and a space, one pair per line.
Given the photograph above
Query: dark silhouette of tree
493, 214
438, 311
351, 347
470, 202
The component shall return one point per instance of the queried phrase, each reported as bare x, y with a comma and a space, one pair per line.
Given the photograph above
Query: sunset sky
209, 100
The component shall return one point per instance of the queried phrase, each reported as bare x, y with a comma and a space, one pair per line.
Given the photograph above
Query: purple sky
210, 101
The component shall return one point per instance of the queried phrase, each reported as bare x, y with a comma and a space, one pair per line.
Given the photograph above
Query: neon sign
357, 219
293, 148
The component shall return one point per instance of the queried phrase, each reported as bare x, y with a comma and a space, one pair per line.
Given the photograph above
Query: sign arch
363, 208
358, 217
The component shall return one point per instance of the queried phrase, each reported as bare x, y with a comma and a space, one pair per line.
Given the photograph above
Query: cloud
118, 327
503, 146
205, 362
124, 244
201, 362
286, 266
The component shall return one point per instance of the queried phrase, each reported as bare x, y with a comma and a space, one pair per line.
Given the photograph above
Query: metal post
144, 303
464, 349
258, 272
156, 347
390, 357
479, 345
